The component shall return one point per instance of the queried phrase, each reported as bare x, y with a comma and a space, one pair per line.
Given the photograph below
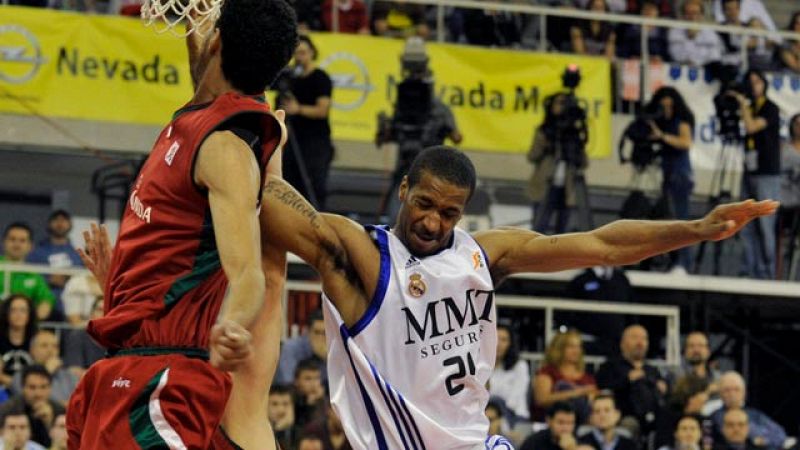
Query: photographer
762, 169
552, 185
790, 165
307, 104
420, 119
673, 126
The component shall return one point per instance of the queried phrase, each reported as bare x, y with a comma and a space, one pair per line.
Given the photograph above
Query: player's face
688, 432
16, 432
280, 405
429, 212
17, 244
59, 432
562, 423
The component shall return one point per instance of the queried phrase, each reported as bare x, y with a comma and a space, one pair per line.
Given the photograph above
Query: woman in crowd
790, 53
673, 128
563, 377
511, 378
17, 326
688, 434
594, 37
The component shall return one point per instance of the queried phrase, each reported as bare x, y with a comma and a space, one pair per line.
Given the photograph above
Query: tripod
572, 176
722, 184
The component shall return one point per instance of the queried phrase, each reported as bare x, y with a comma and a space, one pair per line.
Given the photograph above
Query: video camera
414, 102
639, 132
727, 106
569, 128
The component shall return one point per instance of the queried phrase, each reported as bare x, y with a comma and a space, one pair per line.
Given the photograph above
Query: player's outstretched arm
338, 248
618, 243
227, 168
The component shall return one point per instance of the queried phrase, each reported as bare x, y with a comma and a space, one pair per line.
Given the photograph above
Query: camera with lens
725, 103
569, 128
645, 149
410, 123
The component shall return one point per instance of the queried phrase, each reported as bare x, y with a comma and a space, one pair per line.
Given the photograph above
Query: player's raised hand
726, 220
96, 255
231, 345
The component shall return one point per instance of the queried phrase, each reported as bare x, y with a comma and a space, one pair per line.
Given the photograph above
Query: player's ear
403, 191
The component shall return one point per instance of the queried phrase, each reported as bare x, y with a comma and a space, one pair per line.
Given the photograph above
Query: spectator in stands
694, 47
45, 352
398, 19
17, 239
550, 193
17, 431
790, 166
329, 428
638, 387
56, 251
281, 415
309, 394
560, 431
790, 52
563, 377
748, 10
762, 180
674, 128
688, 434
58, 433
664, 7
311, 345
489, 28
307, 105
735, 432
35, 402
351, 16
732, 43
310, 442
614, 6
631, 44
511, 378
80, 293
688, 397
309, 15
18, 324
594, 37
696, 354
763, 431
80, 350
604, 434
760, 50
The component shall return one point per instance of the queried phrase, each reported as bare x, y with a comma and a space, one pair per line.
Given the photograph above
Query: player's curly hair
258, 40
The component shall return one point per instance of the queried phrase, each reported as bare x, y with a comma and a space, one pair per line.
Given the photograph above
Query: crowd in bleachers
504, 29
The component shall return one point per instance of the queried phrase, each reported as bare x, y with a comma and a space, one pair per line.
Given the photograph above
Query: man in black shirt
560, 432
762, 178
307, 158
638, 387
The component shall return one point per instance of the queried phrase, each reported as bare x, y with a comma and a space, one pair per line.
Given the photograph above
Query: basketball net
169, 15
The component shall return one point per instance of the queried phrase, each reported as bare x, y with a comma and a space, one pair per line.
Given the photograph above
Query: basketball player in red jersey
188, 240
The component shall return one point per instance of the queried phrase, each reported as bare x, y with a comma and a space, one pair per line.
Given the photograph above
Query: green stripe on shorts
143, 429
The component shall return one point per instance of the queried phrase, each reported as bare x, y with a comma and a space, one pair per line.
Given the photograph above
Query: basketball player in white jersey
409, 310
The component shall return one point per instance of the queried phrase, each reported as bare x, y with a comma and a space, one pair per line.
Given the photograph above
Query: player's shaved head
445, 163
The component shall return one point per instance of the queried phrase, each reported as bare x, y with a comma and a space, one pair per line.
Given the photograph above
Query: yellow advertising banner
113, 69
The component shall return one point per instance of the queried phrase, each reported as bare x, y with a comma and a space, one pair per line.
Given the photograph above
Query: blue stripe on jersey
383, 282
373, 417
485, 256
411, 418
392, 393
388, 405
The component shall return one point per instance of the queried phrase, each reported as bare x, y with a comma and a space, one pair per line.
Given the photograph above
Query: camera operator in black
762, 178
552, 185
673, 126
417, 123
307, 104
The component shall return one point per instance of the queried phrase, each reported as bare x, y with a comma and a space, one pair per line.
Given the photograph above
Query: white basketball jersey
411, 374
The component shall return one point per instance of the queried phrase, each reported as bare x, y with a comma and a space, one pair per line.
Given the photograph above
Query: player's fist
231, 345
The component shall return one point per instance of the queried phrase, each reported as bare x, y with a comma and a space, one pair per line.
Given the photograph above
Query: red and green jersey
166, 284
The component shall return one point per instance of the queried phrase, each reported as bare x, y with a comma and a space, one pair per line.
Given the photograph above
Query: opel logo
351, 79
20, 54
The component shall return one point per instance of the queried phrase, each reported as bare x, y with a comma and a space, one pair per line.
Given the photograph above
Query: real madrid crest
416, 287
